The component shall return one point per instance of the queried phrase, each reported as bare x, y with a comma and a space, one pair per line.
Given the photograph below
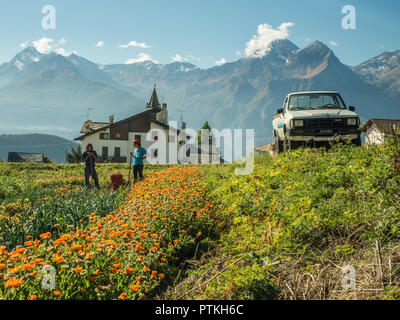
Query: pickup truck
314, 118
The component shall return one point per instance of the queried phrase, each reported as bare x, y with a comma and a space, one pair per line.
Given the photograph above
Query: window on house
104, 136
104, 152
118, 134
117, 152
171, 138
155, 153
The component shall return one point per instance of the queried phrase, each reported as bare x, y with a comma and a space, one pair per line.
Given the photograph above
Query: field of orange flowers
132, 253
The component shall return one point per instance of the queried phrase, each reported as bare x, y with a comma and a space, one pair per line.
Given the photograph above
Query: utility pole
182, 112
87, 113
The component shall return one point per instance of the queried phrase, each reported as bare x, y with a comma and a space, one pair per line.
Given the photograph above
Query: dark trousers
91, 172
138, 169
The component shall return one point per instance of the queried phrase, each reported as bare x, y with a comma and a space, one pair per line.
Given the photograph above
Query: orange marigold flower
58, 259
117, 266
57, 293
92, 279
153, 274
134, 287
78, 269
161, 275
76, 247
19, 250
15, 257
98, 272
27, 267
37, 261
129, 270
33, 297
13, 282
2, 265
123, 296
45, 235
199, 233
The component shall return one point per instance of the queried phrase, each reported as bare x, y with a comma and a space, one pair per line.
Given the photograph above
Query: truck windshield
314, 101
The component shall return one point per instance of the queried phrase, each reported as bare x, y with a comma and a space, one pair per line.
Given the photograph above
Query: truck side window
285, 104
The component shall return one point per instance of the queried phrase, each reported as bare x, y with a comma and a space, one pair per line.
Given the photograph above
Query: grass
297, 221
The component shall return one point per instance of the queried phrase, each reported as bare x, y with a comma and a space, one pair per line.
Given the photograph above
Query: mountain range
40, 92
52, 146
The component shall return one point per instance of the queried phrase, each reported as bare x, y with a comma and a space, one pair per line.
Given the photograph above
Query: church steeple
153, 103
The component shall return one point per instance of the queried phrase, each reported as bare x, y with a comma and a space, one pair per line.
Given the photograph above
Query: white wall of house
127, 146
374, 136
98, 144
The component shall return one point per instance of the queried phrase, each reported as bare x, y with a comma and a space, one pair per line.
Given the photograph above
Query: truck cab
314, 118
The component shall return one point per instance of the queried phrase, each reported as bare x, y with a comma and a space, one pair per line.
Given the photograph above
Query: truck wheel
286, 144
278, 145
357, 141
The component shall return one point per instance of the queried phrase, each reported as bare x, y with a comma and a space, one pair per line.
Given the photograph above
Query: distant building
113, 140
26, 157
199, 154
265, 149
378, 130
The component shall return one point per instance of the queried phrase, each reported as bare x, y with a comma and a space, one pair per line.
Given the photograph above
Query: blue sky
200, 32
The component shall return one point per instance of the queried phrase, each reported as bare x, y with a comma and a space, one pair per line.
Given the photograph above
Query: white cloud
100, 44
333, 43
43, 45
142, 57
307, 39
220, 62
259, 44
24, 44
177, 58
62, 41
135, 44
63, 52
190, 57
381, 46
238, 53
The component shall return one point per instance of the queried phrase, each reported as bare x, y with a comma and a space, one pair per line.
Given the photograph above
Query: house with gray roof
378, 130
25, 157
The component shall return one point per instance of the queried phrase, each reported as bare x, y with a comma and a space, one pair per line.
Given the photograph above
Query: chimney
163, 114
183, 125
111, 119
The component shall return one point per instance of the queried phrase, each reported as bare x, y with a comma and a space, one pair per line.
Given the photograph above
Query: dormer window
104, 136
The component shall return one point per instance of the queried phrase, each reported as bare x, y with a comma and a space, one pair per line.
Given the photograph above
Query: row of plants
37, 198
133, 252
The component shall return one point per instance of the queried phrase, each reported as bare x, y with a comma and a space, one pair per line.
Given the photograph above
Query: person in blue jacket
138, 154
